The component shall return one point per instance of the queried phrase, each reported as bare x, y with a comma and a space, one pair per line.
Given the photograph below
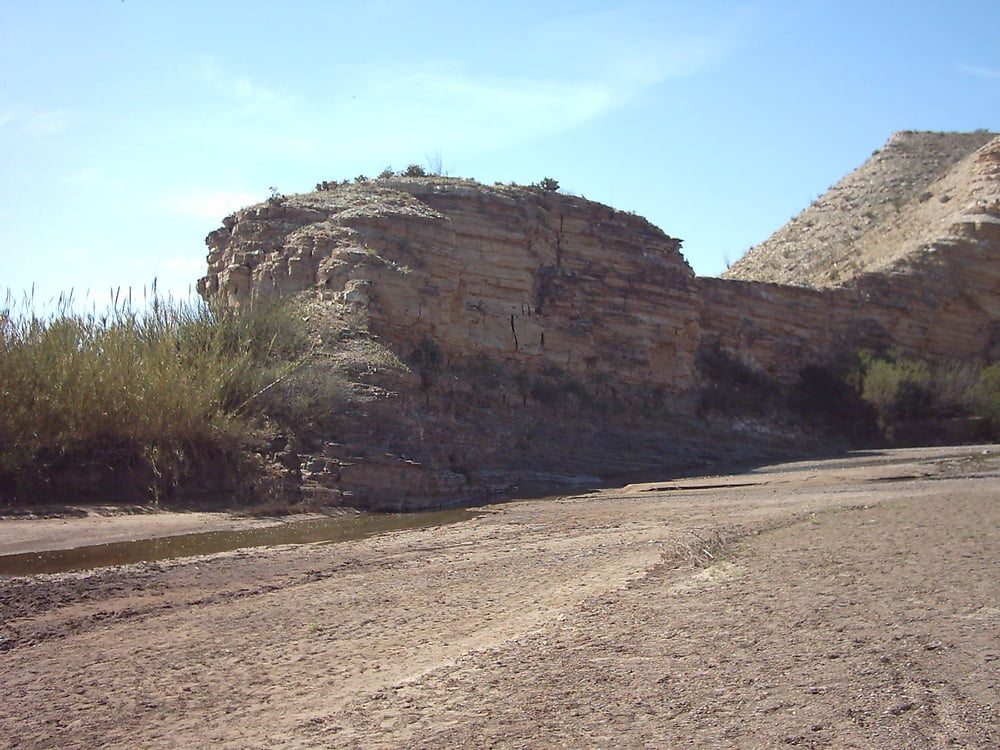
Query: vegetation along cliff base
420, 341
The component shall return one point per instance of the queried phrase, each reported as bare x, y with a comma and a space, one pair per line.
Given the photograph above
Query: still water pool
334, 529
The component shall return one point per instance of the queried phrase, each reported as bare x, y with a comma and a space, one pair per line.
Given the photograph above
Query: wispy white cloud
395, 108
636, 50
239, 87
207, 204
398, 107
442, 101
562, 77
978, 71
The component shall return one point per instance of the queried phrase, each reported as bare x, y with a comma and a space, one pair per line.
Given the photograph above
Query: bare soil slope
847, 603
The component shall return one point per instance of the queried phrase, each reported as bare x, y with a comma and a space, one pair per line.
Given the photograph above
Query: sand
846, 603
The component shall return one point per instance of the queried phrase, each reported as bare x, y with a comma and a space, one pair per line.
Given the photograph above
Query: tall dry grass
160, 380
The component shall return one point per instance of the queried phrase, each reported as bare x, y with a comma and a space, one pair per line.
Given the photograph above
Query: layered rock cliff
529, 276
923, 277
544, 338
540, 337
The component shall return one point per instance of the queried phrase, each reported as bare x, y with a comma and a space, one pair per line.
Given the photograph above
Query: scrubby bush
866, 397
903, 390
897, 389
987, 393
309, 398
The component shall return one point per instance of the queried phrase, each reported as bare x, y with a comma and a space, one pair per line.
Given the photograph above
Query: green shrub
310, 398
902, 390
897, 389
987, 393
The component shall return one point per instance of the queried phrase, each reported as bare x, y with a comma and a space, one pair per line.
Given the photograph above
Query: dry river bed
851, 603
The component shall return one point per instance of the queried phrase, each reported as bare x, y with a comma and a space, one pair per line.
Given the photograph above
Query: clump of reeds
158, 382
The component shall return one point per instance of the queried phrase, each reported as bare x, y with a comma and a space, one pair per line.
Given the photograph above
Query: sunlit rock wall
528, 277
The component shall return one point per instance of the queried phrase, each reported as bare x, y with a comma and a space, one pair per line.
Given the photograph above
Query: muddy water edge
310, 531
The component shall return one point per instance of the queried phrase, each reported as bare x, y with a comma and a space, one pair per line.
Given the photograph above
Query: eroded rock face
926, 282
553, 337
533, 278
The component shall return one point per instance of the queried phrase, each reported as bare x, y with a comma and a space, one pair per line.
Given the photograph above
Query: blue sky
129, 128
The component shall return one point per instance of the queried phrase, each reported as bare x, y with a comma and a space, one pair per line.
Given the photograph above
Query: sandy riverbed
851, 603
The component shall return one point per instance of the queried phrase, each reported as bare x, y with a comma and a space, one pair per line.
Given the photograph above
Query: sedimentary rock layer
553, 336
927, 282
457, 270
531, 277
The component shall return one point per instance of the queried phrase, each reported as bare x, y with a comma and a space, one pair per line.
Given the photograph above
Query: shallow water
320, 530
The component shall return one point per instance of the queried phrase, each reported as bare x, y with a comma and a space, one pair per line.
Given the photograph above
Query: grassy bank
142, 400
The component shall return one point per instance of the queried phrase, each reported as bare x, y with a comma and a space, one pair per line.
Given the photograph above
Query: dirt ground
852, 603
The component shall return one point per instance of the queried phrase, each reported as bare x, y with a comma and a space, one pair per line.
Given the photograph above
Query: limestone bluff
534, 281
532, 277
537, 277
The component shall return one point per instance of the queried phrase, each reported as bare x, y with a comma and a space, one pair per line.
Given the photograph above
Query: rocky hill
470, 338
535, 338
915, 191
923, 278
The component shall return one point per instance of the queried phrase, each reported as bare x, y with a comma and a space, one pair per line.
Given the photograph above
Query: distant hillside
906, 197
